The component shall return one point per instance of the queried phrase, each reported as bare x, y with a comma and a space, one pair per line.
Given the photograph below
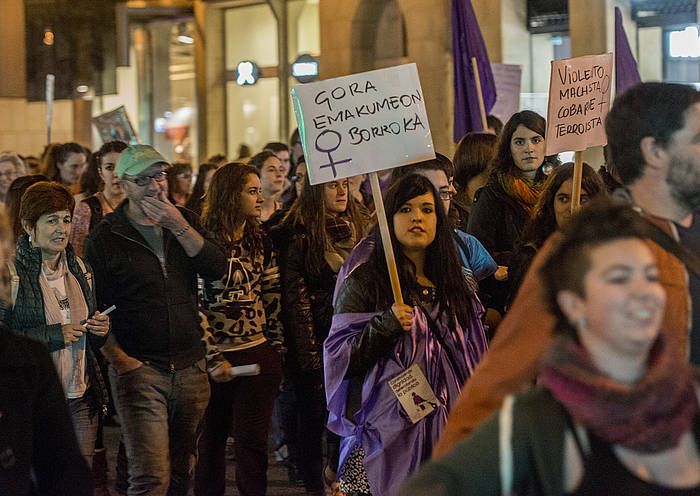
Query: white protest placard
507, 78
362, 123
579, 100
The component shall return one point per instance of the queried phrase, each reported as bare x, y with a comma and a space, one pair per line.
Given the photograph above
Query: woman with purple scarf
393, 370
616, 410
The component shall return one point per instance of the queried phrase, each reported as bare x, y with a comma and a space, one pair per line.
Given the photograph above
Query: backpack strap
85, 271
96, 213
14, 282
505, 445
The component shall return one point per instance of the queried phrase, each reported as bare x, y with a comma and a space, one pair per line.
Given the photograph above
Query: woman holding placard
504, 205
552, 212
616, 410
394, 370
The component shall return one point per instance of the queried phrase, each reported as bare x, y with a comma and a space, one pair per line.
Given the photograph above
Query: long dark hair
310, 213
90, 181
221, 213
503, 158
472, 157
442, 264
194, 202
58, 154
543, 221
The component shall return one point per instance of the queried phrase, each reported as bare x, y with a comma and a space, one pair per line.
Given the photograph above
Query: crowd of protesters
550, 352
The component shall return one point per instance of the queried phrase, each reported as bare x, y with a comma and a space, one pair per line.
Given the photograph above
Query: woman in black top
319, 232
504, 205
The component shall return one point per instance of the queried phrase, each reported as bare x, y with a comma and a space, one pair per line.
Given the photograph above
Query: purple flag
467, 42
626, 73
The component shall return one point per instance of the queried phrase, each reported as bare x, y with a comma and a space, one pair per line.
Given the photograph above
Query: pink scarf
649, 416
76, 299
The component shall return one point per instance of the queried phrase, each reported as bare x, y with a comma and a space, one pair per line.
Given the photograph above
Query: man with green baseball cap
136, 159
146, 257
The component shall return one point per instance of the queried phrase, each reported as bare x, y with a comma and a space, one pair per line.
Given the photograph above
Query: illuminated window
685, 43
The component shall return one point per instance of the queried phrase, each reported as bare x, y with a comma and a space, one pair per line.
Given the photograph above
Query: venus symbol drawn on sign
327, 147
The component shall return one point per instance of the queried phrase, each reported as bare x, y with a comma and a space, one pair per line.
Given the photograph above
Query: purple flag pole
467, 42
626, 73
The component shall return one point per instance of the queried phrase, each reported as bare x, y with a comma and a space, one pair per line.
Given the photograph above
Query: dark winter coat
497, 220
39, 453
27, 316
156, 319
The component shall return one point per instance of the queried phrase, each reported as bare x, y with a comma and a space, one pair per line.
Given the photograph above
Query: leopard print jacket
242, 309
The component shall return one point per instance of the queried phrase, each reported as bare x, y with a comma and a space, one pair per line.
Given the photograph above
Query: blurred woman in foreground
616, 411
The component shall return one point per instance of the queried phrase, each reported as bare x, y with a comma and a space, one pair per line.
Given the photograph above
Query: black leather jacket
360, 294
307, 301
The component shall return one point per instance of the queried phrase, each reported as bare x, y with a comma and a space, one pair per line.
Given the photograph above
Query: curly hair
543, 221
221, 213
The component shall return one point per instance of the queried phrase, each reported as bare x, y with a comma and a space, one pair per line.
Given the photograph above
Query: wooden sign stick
482, 109
386, 238
578, 175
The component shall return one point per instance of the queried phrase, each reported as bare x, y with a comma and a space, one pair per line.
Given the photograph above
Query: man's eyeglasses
158, 177
446, 195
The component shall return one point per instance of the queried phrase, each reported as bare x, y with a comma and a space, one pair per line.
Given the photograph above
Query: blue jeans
85, 427
161, 414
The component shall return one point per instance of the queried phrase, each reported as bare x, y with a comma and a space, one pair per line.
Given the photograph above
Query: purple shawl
394, 447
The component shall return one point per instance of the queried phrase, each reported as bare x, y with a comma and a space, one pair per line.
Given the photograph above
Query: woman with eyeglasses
179, 184
11, 167
315, 238
241, 327
426, 347
89, 212
504, 205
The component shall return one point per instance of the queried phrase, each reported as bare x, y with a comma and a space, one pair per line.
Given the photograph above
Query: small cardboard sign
115, 125
414, 393
362, 123
579, 100
507, 78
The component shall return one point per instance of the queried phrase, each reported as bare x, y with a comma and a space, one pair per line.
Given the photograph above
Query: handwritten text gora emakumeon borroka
341, 108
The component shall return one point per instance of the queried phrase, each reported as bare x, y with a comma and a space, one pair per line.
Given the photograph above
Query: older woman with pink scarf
54, 303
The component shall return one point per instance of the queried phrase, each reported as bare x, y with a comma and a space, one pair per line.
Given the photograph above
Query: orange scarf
524, 191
